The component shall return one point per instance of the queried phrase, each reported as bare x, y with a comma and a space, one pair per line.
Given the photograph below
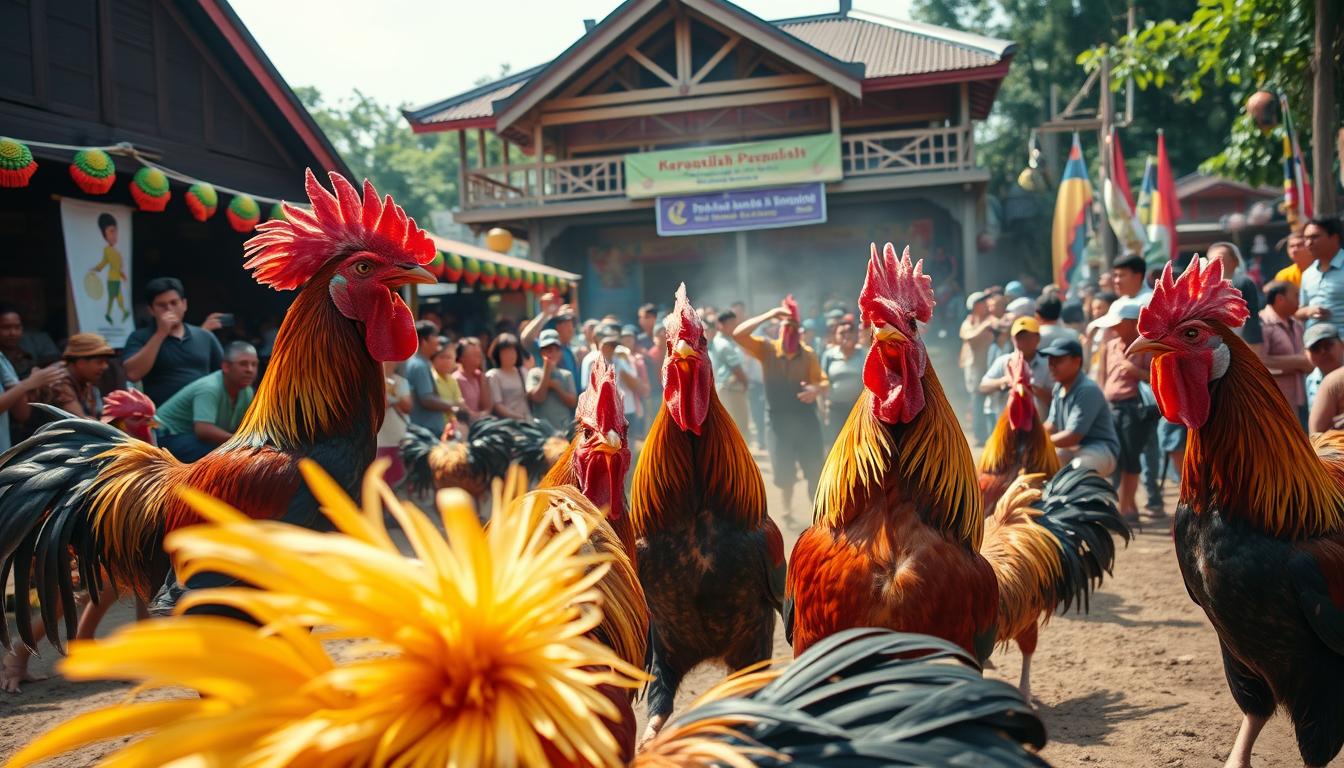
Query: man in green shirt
205, 413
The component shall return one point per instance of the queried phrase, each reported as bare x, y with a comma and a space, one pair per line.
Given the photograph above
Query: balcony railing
881, 153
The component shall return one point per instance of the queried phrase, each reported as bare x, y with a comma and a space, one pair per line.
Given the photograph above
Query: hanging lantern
278, 212
452, 268
489, 274
471, 271
93, 171
243, 213
149, 188
1263, 108
202, 200
499, 240
435, 265
17, 165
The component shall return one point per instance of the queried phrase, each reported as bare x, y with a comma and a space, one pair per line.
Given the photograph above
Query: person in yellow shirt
107, 224
1301, 256
444, 363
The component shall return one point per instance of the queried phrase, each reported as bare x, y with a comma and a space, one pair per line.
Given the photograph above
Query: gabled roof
856, 51
1195, 183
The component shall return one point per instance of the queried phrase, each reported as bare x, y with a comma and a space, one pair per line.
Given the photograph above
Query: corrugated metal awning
470, 250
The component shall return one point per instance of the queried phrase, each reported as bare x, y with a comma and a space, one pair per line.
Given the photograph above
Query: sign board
772, 162
98, 258
742, 209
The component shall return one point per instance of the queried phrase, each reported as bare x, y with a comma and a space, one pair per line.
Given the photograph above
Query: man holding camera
171, 353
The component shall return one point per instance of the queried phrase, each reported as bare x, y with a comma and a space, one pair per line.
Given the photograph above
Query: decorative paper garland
452, 268
435, 265
202, 200
471, 271
243, 213
489, 274
17, 165
94, 171
278, 212
149, 188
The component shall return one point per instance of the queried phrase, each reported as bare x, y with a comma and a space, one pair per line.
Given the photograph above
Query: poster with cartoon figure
98, 257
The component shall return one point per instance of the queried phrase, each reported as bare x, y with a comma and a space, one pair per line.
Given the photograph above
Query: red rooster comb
286, 252
1200, 293
895, 288
1018, 371
125, 404
601, 406
792, 305
683, 322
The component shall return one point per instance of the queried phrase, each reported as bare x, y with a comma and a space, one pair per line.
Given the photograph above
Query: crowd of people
1096, 399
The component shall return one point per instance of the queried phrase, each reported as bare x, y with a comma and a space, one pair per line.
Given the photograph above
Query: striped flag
1069, 233
1164, 209
1296, 184
1120, 202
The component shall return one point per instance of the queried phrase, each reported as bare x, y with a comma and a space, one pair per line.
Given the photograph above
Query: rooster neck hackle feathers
1286, 492
927, 460
287, 252
681, 474
1009, 449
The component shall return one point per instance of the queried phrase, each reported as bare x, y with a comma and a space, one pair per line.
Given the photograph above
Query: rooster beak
885, 333
610, 443
1142, 345
683, 350
413, 273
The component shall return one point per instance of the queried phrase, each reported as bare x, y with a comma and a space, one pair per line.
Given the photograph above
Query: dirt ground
1136, 683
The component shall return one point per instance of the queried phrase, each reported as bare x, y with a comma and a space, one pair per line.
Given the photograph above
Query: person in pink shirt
470, 376
1283, 351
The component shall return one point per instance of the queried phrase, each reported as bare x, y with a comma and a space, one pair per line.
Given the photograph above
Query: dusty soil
1136, 683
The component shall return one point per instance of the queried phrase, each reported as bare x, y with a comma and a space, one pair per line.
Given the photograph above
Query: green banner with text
772, 162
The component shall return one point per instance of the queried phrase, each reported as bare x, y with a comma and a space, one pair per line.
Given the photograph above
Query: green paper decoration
202, 200
17, 165
94, 171
149, 188
243, 213
515, 278
278, 212
435, 265
489, 274
471, 271
452, 268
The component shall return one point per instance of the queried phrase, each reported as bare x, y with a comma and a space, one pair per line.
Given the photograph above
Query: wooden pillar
965, 144
462, 160
480, 147
1323, 107
743, 268
970, 261
1109, 246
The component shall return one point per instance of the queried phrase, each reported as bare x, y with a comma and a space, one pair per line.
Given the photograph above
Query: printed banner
734, 166
742, 209
98, 258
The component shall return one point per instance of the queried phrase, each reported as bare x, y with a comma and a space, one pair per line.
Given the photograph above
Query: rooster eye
1191, 334
587, 433
363, 267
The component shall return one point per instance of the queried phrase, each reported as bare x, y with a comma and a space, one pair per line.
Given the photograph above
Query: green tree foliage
1050, 36
1221, 51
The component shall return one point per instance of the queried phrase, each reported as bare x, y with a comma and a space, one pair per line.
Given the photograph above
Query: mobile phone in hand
225, 319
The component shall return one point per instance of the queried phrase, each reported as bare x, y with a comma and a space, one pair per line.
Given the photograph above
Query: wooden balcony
867, 156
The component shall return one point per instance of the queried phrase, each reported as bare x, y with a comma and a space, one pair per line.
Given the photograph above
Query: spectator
171, 353
1325, 350
206, 412
793, 382
977, 333
1026, 340
1014, 290
646, 373
1301, 256
25, 350
397, 402
508, 387
86, 358
470, 378
560, 318
14, 393
588, 347
842, 365
1048, 310
1071, 316
1327, 409
428, 410
549, 386
1230, 255
1323, 281
1284, 352
1128, 275
444, 364
1021, 307
608, 346
1079, 423
730, 378
1123, 382
648, 318
1094, 337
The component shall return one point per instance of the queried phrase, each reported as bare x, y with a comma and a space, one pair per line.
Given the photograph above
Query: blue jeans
756, 399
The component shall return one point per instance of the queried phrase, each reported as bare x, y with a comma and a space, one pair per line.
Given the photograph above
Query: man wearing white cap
1124, 383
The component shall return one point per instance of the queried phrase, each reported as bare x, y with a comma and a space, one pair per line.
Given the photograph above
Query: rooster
130, 411
113, 498
598, 458
1018, 443
896, 533
710, 558
1049, 548
434, 462
483, 659
1259, 528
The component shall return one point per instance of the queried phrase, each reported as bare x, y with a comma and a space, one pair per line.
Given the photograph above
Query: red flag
1166, 208
1119, 176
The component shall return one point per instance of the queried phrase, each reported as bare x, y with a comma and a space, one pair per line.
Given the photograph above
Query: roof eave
464, 124
990, 72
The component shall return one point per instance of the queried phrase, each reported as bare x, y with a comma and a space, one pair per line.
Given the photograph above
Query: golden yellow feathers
475, 652
1024, 555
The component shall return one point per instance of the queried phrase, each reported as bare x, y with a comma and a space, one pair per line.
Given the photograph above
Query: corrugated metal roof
886, 47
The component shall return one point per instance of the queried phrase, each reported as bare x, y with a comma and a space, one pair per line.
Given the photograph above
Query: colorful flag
1069, 233
1164, 209
1296, 184
1120, 202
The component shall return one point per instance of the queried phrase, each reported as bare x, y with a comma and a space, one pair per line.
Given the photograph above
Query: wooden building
890, 104
186, 85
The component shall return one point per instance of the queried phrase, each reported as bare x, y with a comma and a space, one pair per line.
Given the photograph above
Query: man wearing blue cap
1079, 423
